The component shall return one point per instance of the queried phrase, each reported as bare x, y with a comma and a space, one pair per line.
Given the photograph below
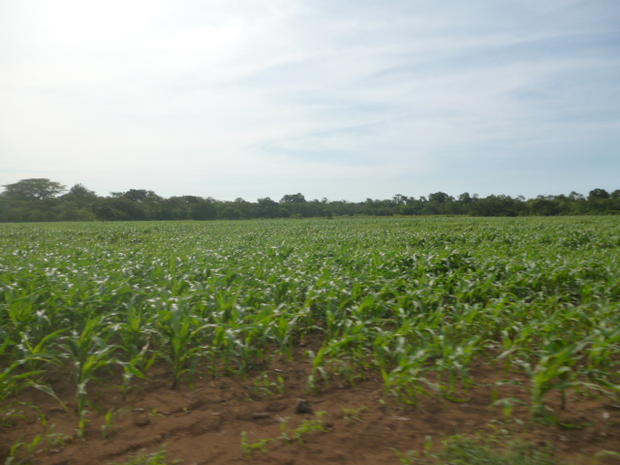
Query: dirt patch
259, 420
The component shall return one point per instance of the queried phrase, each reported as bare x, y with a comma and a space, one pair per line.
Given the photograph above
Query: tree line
40, 199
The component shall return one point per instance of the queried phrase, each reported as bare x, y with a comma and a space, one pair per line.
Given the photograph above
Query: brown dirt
202, 422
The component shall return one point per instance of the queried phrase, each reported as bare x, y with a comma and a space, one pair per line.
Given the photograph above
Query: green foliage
250, 448
266, 386
156, 458
352, 415
89, 351
37, 200
464, 450
306, 427
309, 426
419, 302
108, 425
33, 189
23, 452
461, 450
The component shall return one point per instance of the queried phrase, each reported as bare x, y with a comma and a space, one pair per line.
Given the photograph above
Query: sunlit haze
337, 99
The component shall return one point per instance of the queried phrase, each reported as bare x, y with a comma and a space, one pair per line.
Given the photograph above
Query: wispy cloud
338, 99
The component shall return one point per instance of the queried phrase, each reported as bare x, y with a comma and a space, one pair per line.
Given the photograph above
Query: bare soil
202, 421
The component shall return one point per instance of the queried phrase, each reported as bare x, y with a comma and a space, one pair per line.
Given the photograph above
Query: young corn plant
89, 352
306, 427
251, 448
407, 382
136, 336
351, 415
12, 378
33, 360
554, 371
183, 338
107, 428
345, 357
455, 361
603, 351
159, 457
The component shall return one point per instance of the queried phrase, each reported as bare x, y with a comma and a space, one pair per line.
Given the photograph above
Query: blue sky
338, 99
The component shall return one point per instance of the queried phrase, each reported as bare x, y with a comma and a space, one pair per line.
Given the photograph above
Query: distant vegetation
40, 199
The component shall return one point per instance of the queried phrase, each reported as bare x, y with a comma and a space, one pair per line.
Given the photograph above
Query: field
410, 341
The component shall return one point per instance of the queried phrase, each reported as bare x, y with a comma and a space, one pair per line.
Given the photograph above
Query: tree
399, 199
544, 206
266, 208
33, 189
294, 205
495, 205
439, 197
203, 209
80, 195
141, 195
438, 203
598, 194
465, 198
293, 198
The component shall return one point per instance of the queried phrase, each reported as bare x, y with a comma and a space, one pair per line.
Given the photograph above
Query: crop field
409, 341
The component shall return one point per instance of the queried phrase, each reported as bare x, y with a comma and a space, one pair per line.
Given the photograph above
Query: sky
344, 99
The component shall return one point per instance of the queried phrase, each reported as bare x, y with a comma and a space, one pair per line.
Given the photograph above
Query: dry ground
202, 422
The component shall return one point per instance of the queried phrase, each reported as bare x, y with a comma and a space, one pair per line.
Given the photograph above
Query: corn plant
416, 302
182, 337
89, 352
554, 371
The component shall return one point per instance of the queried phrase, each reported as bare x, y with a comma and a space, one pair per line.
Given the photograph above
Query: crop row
419, 302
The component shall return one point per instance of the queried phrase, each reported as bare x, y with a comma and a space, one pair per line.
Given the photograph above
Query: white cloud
256, 97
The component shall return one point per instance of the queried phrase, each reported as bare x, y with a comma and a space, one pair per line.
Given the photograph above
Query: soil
202, 422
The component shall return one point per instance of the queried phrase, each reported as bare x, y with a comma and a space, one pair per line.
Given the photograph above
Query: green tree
141, 195
465, 198
293, 198
544, 206
267, 208
598, 194
80, 195
33, 189
204, 209
294, 205
599, 200
439, 197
